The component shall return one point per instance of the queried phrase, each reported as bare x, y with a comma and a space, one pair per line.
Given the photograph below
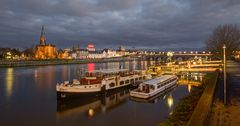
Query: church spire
42, 37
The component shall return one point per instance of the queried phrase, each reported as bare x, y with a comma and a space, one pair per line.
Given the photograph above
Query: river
28, 97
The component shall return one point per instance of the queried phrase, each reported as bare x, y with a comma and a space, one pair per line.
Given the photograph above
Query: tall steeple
42, 37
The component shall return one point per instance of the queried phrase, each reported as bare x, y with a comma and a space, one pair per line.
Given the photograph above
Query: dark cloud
110, 23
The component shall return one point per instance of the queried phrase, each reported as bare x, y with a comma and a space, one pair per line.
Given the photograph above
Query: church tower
42, 37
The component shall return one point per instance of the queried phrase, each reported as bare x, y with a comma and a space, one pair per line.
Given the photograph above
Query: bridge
163, 56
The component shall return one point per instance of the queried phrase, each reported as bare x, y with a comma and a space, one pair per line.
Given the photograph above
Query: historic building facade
44, 50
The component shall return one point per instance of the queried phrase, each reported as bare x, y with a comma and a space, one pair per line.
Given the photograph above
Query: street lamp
225, 76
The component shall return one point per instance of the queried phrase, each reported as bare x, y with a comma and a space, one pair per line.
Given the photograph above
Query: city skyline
151, 24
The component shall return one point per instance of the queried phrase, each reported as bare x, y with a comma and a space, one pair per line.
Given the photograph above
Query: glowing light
170, 54
90, 112
170, 101
189, 88
9, 82
91, 67
91, 46
195, 78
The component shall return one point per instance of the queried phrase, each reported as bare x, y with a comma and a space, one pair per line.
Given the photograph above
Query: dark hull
67, 95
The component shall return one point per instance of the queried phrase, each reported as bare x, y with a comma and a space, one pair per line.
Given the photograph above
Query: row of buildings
46, 50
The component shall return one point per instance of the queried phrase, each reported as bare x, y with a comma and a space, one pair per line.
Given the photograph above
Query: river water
28, 97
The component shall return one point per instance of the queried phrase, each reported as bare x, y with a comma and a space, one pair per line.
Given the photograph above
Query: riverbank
26, 63
227, 115
186, 107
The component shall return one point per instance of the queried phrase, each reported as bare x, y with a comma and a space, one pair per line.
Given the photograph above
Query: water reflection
191, 80
91, 67
43, 77
189, 87
65, 72
91, 106
170, 101
90, 112
34, 87
9, 82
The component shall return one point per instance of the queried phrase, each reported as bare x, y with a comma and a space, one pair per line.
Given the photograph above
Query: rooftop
158, 79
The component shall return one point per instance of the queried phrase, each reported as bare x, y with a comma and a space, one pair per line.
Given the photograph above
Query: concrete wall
203, 108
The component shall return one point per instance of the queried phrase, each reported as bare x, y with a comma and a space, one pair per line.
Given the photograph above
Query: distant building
121, 48
63, 54
91, 48
82, 53
95, 55
107, 53
44, 50
121, 51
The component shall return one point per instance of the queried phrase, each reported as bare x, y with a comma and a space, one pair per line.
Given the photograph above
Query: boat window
127, 81
121, 82
152, 87
132, 81
140, 78
136, 79
112, 84
158, 86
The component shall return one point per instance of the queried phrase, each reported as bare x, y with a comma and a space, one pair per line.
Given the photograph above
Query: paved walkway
227, 115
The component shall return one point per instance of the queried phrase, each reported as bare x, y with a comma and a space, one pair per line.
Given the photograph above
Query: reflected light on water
170, 101
91, 67
189, 88
36, 73
90, 112
9, 81
201, 78
196, 78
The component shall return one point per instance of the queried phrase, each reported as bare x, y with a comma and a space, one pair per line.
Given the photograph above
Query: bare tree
224, 34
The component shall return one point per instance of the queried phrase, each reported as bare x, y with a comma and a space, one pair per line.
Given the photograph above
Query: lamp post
225, 76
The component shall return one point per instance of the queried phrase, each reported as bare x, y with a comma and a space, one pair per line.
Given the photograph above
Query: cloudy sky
155, 24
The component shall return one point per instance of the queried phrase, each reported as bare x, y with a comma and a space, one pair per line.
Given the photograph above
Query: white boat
154, 86
100, 80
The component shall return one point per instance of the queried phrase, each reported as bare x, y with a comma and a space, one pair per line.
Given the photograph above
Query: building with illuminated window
91, 48
44, 50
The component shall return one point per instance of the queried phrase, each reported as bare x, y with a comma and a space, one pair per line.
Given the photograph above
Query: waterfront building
82, 53
108, 53
121, 51
91, 48
95, 55
44, 50
63, 54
